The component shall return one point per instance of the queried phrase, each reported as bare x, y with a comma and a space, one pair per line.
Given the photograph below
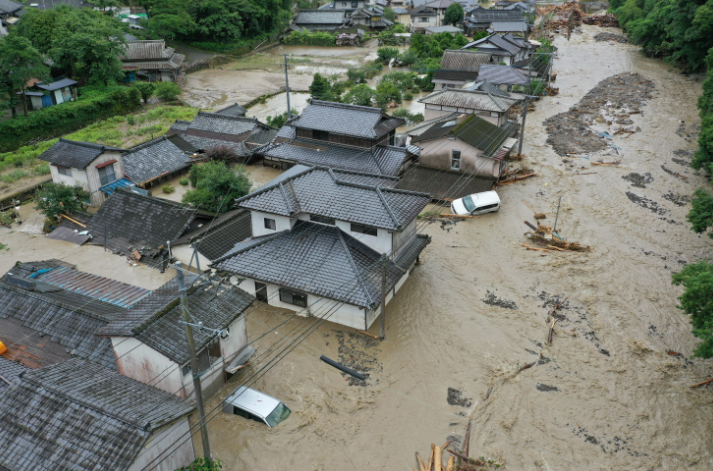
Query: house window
321, 220
368, 230
355, 5
423, 19
321, 135
293, 297
186, 369
270, 224
106, 175
455, 160
67, 172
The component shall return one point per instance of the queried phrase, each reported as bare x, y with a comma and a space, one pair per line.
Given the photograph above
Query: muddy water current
605, 395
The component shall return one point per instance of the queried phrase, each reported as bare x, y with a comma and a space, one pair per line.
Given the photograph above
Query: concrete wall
381, 242
436, 111
402, 239
179, 452
258, 223
418, 25
471, 161
78, 177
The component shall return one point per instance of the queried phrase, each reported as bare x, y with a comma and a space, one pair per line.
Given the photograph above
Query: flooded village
537, 331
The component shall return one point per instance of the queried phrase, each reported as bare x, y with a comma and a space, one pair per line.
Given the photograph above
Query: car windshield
280, 414
468, 203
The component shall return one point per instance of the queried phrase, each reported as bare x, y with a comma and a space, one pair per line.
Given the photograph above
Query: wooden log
606, 163
420, 462
466, 449
557, 306
528, 207
450, 466
552, 331
455, 216
530, 225
459, 455
526, 366
363, 332
529, 247
437, 461
76, 222
487, 395
518, 178
430, 458
445, 445
702, 383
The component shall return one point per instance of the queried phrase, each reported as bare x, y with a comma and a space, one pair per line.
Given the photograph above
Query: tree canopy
19, 62
697, 302
216, 187
321, 89
454, 14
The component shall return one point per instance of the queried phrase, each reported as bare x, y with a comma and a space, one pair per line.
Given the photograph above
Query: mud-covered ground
612, 390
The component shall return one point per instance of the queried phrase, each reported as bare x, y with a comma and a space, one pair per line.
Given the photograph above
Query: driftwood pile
552, 91
545, 238
608, 20
438, 455
565, 16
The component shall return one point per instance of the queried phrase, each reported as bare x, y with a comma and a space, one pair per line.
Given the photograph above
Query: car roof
253, 401
486, 197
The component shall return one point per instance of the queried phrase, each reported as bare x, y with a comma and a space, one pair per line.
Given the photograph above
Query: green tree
202, 464
19, 62
454, 14
701, 214
168, 91
39, 27
104, 4
54, 199
320, 89
389, 14
697, 302
216, 187
146, 89
277, 121
387, 93
217, 19
362, 95
385, 54
170, 19
356, 76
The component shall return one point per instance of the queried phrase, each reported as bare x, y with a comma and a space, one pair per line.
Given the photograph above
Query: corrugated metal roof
464, 60
469, 99
502, 75
56, 85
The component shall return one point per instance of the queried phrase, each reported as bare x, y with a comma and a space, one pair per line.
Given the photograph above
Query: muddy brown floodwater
610, 397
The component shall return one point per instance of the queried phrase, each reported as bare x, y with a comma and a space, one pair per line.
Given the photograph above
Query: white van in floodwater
256, 406
479, 203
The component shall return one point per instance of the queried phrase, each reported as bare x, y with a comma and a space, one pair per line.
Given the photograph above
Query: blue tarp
111, 187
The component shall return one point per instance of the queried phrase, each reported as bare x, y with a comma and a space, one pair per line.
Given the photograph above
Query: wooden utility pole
287, 89
194, 362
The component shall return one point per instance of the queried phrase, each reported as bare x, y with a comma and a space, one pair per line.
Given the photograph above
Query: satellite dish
234, 280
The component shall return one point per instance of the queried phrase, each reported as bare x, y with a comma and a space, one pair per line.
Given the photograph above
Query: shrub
131, 120
408, 57
201, 464
356, 76
321, 89
277, 121
183, 181
387, 93
146, 89
216, 187
168, 189
407, 115
167, 91
402, 80
222, 153
300, 38
362, 95
385, 54
54, 199
408, 97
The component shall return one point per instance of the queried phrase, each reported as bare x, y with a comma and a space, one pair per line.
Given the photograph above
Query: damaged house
79, 415
339, 136
458, 68
488, 106
505, 49
159, 159
459, 157
318, 239
151, 60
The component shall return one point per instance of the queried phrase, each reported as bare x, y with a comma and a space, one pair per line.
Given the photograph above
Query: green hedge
298, 38
94, 104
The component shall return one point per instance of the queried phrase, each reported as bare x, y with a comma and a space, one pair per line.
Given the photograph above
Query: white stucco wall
471, 161
184, 254
78, 177
179, 452
257, 219
436, 111
142, 363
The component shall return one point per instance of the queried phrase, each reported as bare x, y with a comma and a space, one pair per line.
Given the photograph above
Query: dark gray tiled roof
488, 16
286, 132
507, 26
423, 126
133, 220
474, 131
216, 123
262, 135
485, 86
232, 110
346, 197
349, 120
68, 317
179, 125
205, 143
6, 6
77, 415
182, 144
321, 260
502, 74
455, 75
443, 184
380, 160
74, 154
495, 39
216, 238
154, 158
320, 17
464, 60
156, 320
9, 370
469, 99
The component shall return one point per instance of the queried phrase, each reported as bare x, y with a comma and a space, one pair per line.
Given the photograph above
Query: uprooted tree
55, 199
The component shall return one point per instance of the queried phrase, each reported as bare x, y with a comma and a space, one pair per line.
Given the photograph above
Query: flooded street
612, 390
609, 397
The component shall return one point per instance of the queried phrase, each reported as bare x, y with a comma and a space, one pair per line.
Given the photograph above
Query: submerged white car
479, 203
256, 406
